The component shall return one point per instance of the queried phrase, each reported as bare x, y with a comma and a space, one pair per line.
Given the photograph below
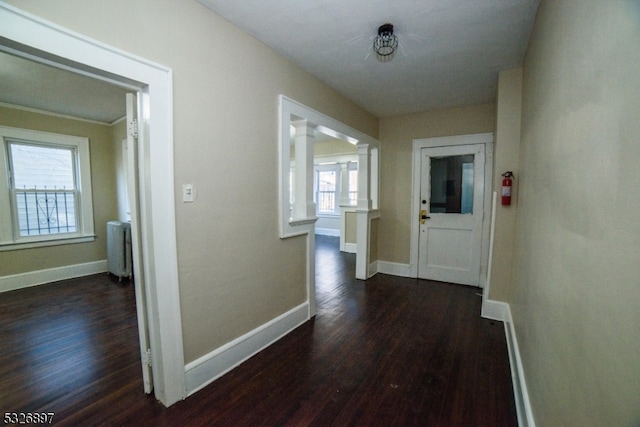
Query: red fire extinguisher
507, 183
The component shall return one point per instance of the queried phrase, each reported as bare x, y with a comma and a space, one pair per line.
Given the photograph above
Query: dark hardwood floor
388, 351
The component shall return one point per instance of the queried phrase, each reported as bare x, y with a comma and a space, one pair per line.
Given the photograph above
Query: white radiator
119, 249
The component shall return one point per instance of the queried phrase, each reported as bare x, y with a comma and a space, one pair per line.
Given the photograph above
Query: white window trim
9, 237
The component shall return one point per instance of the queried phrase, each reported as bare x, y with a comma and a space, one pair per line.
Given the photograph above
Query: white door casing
29, 36
300, 218
469, 233
451, 232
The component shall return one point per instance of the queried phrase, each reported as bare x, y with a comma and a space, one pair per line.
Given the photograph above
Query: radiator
119, 249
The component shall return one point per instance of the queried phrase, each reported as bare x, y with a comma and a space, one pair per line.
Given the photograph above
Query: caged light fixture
385, 42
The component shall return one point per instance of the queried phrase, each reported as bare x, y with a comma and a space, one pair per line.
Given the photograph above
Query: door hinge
147, 357
133, 128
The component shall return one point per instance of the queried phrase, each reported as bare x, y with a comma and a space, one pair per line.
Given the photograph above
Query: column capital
304, 127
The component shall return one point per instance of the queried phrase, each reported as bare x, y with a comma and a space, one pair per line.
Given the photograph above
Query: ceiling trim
62, 116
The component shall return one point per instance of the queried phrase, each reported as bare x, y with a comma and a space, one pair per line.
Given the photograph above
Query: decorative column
364, 177
364, 206
303, 206
344, 184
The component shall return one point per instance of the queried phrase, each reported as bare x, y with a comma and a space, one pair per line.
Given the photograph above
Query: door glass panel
452, 184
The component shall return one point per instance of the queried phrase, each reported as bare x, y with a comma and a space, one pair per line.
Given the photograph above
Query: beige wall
333, 147
118, 134
103, 188
235, 273
506, 158
351, 228
396, 146
576, 294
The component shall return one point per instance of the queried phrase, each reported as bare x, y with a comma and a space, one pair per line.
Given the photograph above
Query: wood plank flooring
388, 351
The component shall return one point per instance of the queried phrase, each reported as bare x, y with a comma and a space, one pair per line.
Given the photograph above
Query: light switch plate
188, 193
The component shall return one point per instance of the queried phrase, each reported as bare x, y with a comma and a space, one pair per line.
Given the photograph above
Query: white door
451, 213
131, 163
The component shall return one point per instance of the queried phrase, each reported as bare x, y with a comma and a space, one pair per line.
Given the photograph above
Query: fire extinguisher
507, 183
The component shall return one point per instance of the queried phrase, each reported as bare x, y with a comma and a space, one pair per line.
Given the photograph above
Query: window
335, 184
327, 193
43, 189
48, 190
452, 184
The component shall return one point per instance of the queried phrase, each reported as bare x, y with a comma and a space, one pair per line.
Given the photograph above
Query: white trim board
350, 248
206, 369
40, 277
394, 268
62, 116
497, 310
328, 232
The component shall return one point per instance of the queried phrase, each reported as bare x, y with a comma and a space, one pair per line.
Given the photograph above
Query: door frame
39, 40
302, 218
447, 141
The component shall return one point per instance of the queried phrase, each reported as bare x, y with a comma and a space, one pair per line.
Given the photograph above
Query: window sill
302, 221
13, 246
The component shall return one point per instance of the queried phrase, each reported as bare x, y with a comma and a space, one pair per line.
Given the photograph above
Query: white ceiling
29, 84
449, 54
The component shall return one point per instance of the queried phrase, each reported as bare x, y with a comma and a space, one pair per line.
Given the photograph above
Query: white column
303, 206
364, 206
374, 184
364, 177
344, 184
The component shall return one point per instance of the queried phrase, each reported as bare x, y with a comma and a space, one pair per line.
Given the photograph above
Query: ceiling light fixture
385, 42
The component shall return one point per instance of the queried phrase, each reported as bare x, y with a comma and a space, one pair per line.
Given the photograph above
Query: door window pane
452, 184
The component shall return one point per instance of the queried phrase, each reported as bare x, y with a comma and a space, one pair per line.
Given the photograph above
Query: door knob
423, 216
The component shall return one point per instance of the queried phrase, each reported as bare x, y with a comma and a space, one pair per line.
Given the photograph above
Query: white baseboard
206, 369
497, 310
39, 277
350, 248
373, 269
394, 268
335, 232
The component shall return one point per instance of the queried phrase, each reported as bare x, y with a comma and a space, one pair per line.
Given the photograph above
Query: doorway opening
52, 206
335, 189
298, 127
38, 40
335, 193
